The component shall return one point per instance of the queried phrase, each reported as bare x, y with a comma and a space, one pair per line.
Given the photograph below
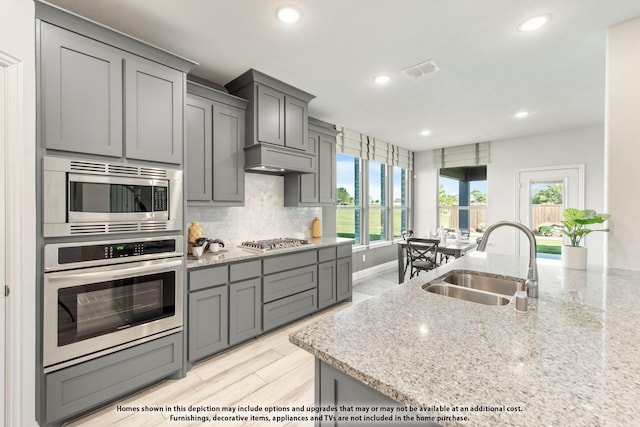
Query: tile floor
268, 370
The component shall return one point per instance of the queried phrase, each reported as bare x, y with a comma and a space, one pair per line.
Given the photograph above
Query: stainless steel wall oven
100, 297
83, 197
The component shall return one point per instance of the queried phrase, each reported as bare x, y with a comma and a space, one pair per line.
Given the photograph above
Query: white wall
580, 146
623, 145
17, 39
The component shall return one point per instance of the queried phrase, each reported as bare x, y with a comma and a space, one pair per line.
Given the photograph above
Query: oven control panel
95, 252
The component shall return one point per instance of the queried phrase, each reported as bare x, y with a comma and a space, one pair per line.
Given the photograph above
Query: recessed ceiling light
522, 114
425, 132
289, 14
534, 23
382, 79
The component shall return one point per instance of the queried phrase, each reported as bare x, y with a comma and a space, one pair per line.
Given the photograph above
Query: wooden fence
545, 214
540, 214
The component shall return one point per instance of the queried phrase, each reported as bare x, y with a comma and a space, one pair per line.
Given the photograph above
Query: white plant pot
574, 257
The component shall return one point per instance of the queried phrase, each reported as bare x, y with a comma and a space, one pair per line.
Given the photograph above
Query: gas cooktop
270, 244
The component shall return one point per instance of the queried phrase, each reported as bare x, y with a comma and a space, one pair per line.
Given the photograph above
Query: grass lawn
549, 245
346, 223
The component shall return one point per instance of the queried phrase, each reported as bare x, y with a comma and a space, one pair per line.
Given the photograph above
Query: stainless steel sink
485, 283
480, 288
468, 294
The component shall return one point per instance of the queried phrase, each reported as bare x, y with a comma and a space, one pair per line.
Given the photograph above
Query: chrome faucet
532, 273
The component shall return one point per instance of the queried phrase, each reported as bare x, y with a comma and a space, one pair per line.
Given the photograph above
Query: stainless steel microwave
82, 197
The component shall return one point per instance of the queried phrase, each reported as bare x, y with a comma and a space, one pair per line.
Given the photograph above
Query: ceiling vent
421, 69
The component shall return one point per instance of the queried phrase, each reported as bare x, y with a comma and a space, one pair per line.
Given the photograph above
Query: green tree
550, 194
478, 197
343, 197
447, 199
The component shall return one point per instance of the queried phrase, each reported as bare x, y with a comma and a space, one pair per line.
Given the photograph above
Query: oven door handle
112, 272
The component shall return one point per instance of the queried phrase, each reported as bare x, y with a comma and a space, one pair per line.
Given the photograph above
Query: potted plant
576, 225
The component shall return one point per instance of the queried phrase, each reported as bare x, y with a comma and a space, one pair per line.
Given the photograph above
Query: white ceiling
488, 70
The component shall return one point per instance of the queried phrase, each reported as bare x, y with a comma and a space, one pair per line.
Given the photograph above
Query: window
377, 201
373, 189
399, 200
349, 210
462, 199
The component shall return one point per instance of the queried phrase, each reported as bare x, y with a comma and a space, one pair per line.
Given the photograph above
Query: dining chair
421, 255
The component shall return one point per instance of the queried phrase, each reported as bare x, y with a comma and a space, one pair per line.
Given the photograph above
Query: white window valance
462, 155
356, 144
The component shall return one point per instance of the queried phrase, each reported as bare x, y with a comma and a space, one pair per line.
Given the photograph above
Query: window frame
388, 209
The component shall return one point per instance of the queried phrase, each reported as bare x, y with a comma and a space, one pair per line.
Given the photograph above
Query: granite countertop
238, 253
572, 359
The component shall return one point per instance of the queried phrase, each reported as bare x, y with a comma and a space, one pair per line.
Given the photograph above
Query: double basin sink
477, 287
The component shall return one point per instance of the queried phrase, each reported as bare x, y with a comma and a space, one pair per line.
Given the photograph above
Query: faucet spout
532, 272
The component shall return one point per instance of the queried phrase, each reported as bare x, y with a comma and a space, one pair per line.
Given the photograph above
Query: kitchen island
571, 359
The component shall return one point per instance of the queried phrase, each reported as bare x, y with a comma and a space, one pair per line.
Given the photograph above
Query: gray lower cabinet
215, 147
234, 302
208, 322
344, 269
82, 102
245, 310
327, 280
75, 390
288, 309
335, 389
318, 188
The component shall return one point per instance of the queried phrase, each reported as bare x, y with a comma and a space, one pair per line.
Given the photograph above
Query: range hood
276, 160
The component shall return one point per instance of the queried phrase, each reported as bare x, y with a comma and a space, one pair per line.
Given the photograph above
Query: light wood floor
266, 371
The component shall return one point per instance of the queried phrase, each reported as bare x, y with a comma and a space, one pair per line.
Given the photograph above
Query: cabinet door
326, 284
327, 169
270, 119
245, 308
228, 154
197, 169
81, 84
309, 181
154, 107
208, 322
344, 268
296, 123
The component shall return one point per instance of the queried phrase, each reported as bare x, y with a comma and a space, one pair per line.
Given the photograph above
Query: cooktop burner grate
270, 244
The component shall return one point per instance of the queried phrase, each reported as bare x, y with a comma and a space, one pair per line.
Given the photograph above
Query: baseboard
372, 271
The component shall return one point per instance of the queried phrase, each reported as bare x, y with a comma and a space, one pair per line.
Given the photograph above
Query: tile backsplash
262, 217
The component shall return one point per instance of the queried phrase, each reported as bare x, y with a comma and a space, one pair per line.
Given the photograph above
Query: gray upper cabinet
296, 115
269, 115
104, 93
81, 90
319, 188
278, 111
154, 105
215, 123
198, 116
228, 159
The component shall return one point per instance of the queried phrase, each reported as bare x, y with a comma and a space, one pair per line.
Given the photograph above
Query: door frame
554, 173
13, 216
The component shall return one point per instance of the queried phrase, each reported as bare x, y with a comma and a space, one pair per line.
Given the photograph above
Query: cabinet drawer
290, 282
326, 254
344, 251
244, 270
288, 309
79, 388
289, 261
208, 277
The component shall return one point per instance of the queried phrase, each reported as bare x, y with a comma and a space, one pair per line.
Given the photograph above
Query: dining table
452, 248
